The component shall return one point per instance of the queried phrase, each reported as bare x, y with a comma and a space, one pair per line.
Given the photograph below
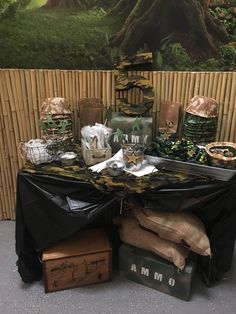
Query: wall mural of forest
195, 35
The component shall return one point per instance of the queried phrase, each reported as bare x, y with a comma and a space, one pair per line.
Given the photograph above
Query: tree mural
81, 4
186, 21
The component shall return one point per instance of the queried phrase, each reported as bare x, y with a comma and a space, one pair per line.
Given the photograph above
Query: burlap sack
179, 227
131, 233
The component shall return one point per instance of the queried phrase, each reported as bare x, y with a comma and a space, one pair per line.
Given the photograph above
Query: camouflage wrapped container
200, 121
125, 82
126, 125
56, 119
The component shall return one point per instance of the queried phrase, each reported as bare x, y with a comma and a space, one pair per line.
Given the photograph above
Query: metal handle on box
102, 156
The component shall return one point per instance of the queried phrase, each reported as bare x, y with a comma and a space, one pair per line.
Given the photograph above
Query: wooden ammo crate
80, 260
153, 271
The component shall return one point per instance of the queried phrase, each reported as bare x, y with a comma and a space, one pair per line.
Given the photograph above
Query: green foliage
136, 126
49, 123
4, 4
211, 64
172, 57
227, 57
115, 54
220, 2
23, 3
108, 114
36, 4
55, 39
71, 39
182, 150
119, 134
226, 16
9, 8
159, 60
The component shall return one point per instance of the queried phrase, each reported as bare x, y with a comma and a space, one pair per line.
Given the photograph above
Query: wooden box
153, 271
94, 156
80, 260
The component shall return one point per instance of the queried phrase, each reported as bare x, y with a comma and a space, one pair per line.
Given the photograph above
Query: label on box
153, 271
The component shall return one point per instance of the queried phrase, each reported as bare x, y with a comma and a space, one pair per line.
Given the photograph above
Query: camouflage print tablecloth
125, 184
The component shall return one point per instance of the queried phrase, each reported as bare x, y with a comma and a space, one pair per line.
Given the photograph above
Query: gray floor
117, 296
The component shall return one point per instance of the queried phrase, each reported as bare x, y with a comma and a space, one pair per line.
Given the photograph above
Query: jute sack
179, 227
131, 233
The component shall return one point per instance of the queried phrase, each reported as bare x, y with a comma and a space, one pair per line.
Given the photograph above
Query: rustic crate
80, 260
153, 271
94, 156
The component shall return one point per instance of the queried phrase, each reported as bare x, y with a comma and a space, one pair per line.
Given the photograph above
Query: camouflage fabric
122, 185
128, 183
199, 129
131, 61
56, 106
56, 119
202, 106
125, 83
77, 171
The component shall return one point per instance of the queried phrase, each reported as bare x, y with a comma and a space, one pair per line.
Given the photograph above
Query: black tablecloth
51, 208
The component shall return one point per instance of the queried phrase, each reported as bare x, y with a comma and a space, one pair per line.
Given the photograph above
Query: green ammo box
153, 271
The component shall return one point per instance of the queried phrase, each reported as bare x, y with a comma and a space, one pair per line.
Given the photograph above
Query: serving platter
217, 173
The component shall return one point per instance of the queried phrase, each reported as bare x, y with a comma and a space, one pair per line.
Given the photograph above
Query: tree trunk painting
186, 21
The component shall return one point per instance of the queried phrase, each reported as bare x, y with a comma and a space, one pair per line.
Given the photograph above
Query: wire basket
35, 151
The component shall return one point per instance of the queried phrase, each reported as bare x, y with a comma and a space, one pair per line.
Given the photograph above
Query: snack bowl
115, 167
222, 154
67, 158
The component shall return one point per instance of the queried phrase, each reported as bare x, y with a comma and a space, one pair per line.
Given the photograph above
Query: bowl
68, 158
115, 167
222, 154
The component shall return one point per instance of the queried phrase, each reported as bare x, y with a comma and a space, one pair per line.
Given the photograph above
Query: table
53, 203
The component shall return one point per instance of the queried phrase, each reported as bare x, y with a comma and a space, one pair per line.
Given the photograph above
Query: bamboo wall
22, 93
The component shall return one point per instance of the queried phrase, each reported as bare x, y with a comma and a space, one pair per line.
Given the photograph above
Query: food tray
217, 173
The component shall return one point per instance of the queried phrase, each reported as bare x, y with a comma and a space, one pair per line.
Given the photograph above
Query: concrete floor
119, 296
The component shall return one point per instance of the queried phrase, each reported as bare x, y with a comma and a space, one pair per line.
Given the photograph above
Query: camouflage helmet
55, 106
203, 106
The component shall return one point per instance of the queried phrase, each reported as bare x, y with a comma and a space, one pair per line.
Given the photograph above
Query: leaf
136, 125
165, 41
42, 125
62, 126
108, 113
159, 60
120, 135
49, 118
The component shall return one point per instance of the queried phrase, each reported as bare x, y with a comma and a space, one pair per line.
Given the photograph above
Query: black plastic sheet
50, 208
215, 205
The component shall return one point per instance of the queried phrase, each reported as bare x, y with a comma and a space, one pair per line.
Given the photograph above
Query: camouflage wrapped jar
133, 156
200, 121
56, 119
